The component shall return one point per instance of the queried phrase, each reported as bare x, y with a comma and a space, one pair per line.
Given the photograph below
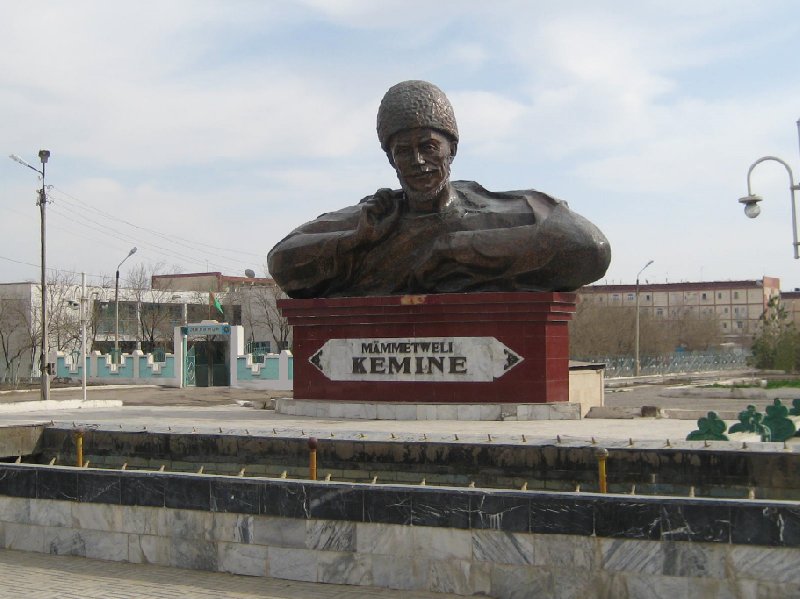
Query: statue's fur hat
412, 104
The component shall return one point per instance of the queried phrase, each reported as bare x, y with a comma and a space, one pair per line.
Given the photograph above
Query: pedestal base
427, 411
487, 348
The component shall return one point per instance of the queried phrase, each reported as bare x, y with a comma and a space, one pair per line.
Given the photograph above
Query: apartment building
737, 305
790, 300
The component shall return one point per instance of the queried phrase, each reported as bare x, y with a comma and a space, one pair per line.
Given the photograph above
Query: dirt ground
677, 394
151, 395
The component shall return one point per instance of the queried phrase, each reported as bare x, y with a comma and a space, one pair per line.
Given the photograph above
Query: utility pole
41, 201
84, 310
44, 365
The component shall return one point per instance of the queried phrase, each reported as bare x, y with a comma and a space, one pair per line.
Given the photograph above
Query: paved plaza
40, 576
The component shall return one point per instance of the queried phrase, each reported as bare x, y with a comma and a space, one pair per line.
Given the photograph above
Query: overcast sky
203, 132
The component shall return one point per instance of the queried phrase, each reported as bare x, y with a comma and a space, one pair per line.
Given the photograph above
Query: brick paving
41, 576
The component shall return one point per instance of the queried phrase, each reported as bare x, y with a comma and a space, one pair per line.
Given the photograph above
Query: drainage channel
560, 466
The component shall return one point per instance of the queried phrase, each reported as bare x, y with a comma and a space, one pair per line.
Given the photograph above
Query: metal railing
675, 363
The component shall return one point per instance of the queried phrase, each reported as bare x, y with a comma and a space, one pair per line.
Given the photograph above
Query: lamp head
132, 252
44, 155
751, 207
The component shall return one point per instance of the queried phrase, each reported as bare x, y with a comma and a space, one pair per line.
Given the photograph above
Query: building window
630, 297
659, 311
719, 295
647, 297
704, 296
725, 310
738, 324
724, 325
735, 295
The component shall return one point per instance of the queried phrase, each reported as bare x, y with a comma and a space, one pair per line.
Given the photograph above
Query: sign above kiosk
206, 329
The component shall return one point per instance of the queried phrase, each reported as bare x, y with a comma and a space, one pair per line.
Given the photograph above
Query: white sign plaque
422, 359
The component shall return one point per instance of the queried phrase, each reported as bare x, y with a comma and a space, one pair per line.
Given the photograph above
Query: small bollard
79, 448
601, 453
312, 458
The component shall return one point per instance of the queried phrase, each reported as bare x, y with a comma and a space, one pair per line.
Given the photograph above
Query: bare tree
15, 338
265, 314
697, 331
63, 316
156, 315
598, 330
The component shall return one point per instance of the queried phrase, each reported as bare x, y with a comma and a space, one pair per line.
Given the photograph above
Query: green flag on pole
217, 305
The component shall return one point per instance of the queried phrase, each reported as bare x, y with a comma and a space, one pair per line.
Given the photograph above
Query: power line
57, 270
104, 230
169, 237
165, 237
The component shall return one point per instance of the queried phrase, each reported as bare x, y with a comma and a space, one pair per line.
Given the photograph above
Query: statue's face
422, 160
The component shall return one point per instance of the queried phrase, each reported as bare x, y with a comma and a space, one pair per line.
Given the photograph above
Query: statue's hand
379, 215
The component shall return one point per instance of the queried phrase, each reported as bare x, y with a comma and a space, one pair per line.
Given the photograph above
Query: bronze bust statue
435, 235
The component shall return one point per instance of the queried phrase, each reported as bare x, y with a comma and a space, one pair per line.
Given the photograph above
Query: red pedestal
533, 326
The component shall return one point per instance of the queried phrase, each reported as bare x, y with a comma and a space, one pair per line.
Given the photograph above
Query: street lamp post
750, 201
44, 365
636, 365
84, 312
116, 306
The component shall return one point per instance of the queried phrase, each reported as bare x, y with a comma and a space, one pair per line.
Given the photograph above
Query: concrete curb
78, 388
53, 404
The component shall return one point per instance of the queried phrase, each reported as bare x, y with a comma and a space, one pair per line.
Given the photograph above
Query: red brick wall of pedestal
534, 325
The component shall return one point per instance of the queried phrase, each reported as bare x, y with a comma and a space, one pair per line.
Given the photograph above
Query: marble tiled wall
501, 544
495, 563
